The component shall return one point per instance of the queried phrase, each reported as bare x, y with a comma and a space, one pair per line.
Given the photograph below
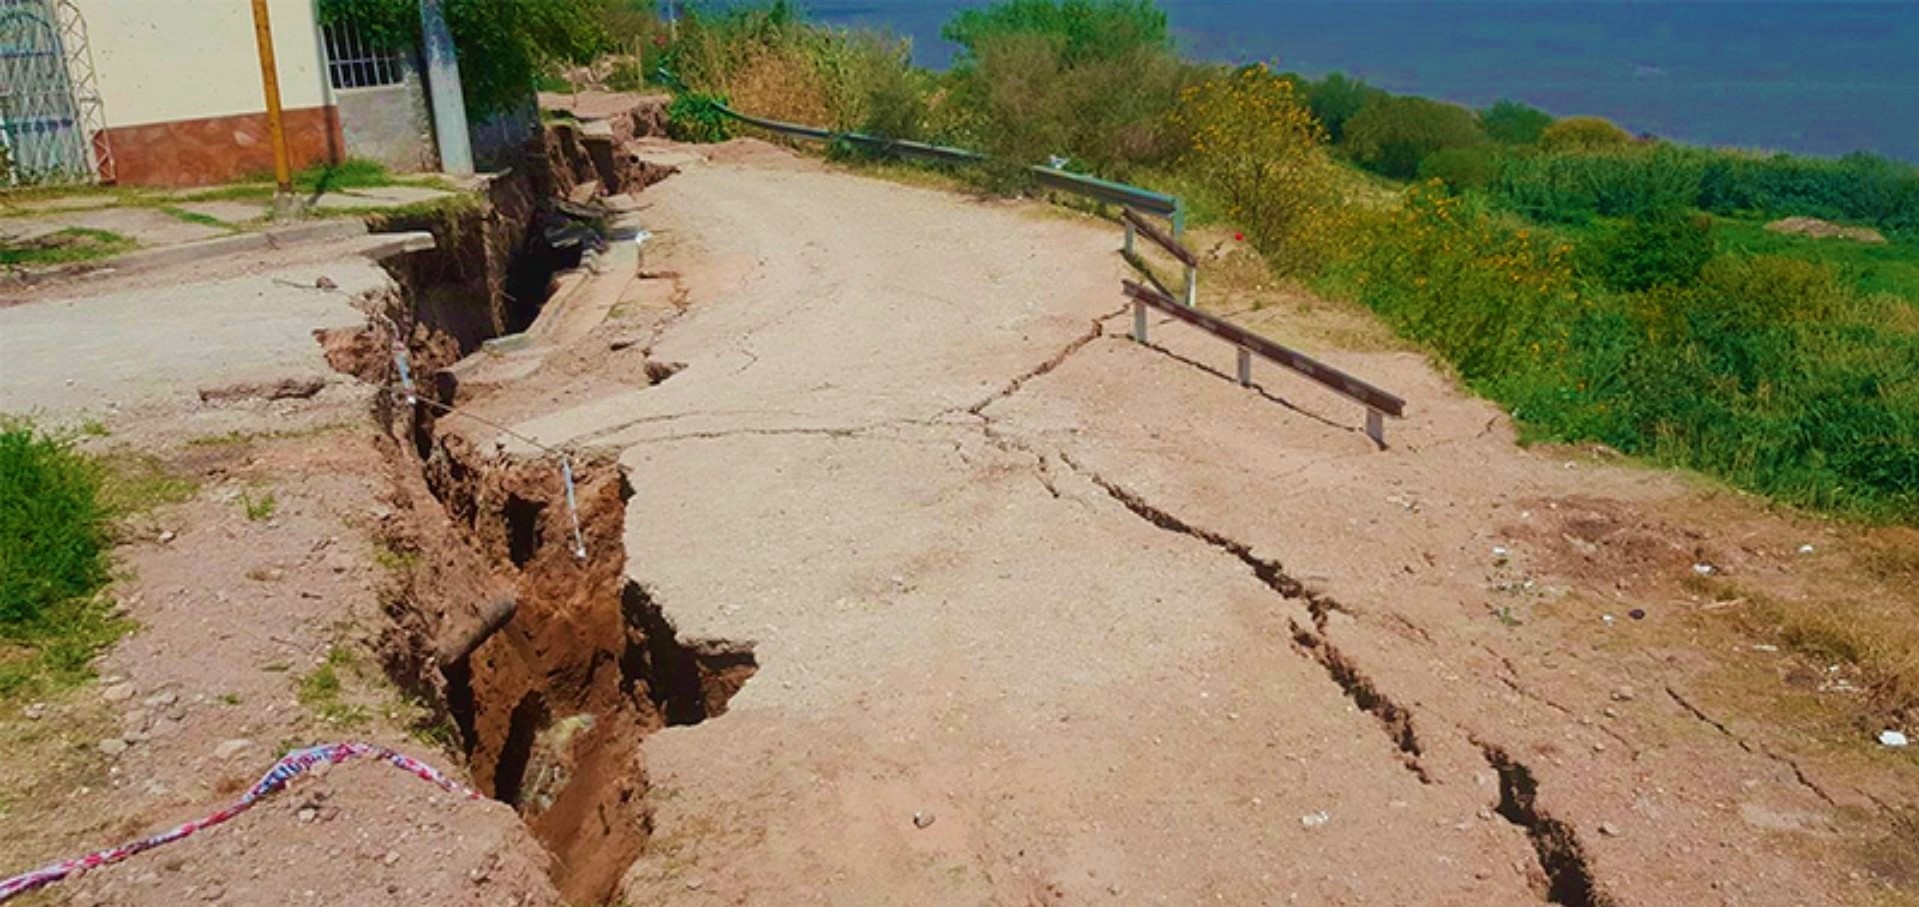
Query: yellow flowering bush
1250, 140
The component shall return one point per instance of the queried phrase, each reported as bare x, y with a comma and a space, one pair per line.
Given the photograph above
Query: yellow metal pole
270, 78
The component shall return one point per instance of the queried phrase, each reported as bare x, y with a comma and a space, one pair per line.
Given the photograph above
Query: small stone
307, 814
1623, 694
922, 820
1704, 569
168, 535
1637, 614
694, 884
119, 692
35, 712
1610, 712
112, 746
1893, 739
1609, 830
1805, 549
231, 748
160, 700
1314, 820
390, 857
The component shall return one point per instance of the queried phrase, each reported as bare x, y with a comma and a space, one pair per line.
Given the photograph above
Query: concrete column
443, 88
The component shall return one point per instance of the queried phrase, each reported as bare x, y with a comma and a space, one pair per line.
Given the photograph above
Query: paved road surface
1041, 586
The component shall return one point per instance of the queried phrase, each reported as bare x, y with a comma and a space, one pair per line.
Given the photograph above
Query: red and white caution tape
293, 765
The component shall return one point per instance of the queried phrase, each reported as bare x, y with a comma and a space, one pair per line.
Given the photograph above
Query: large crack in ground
1395, 720
553, 706
1798, 773
1568, 876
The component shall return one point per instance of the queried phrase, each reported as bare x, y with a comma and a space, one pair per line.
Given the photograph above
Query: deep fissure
1568, 875
550, 668
1394, 719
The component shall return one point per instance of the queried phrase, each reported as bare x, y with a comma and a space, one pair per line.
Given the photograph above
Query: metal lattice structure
52, 122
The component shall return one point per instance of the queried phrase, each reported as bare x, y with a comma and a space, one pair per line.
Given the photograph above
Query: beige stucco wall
164, 60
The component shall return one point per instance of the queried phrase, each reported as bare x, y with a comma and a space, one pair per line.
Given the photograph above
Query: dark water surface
1810, 77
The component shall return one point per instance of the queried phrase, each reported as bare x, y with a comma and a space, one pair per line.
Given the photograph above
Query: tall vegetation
1254, 146
54, 527
1394, 135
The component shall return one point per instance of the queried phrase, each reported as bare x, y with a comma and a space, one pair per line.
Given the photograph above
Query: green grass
322, 692
1872, 268
194, 217
260, 508
352, 173
69, 246
56, 517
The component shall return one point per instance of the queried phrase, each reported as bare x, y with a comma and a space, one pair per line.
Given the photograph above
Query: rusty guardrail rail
1139, 226
1378, 403
1155, 203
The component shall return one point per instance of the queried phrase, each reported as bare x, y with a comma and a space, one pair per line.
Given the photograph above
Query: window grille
355, 62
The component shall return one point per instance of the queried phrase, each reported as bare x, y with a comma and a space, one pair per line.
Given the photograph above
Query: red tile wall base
221, 149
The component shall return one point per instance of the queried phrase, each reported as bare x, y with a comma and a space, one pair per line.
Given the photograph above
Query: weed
94, 428
69, 246
195, 217
322, 692
260, 508
392, 559
228, 699
352, 173
56, 520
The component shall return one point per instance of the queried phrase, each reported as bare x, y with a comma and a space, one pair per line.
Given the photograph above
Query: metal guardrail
1132, 201
1378, 403
1139, 226
1157, 203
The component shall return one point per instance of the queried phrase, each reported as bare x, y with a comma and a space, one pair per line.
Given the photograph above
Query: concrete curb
192, 252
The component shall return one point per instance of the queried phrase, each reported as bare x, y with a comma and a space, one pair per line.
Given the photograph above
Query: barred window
355, 62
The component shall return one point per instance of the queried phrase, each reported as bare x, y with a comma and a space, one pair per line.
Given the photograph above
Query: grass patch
352, 173
260, 508
56, 516
1872, 268
322, 692
69, 246
195, 217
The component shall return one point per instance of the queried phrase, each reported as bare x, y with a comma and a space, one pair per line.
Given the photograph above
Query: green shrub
1335, 99
1572, 187
695, 117
1663, 249
1462, 169
1860, 187
1079, 31
1513, 123
53, 528
1394, 135
1583, 134
1089, 80
1257, 149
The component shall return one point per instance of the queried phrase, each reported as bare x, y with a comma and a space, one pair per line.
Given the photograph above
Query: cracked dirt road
1112, 628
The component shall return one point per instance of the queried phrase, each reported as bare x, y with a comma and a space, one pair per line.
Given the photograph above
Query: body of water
1810, 77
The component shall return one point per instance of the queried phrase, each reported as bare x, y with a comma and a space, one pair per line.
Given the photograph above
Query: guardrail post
1376, 426
1179, 218
1129, 239
1139, 322
1192, 287
1245, 367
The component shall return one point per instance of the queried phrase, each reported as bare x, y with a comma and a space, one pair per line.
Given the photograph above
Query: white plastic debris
1500, 553
1892, 738
1805, 549
1704, 569
1314, 820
